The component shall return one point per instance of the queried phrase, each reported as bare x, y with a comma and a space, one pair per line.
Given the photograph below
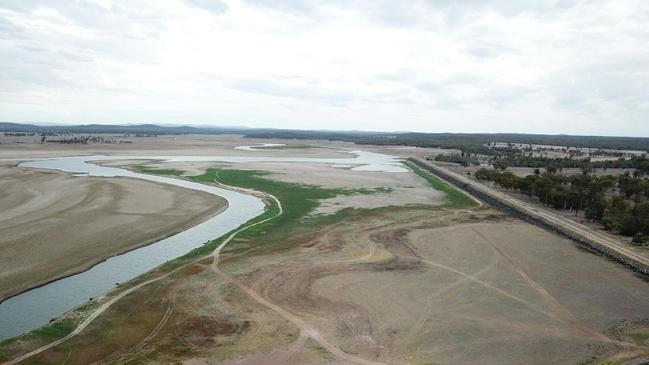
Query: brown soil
53, 224
403, 285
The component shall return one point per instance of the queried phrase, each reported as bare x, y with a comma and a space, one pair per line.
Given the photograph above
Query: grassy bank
456, 197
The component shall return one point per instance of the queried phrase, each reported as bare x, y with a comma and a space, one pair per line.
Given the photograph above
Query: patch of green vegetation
53, 331
5, 343
298, 200
298, 203
639, 338
56, 329
366, 191
50, 332
271, 210
149, 170
456, 197
383, 189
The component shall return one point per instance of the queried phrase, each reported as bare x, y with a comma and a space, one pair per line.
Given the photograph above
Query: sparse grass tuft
56, 329
639, 338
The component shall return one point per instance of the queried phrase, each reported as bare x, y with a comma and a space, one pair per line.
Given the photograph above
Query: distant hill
468, 142
118, 129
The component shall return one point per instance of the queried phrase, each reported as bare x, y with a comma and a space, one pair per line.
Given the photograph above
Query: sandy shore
54, 225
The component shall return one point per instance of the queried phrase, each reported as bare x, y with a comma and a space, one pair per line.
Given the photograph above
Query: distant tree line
9, 134
620, 204
551, 164
85, 140
466, 142
462, 159
640, 163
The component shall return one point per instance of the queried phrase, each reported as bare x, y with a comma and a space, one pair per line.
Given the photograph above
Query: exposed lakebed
35, 308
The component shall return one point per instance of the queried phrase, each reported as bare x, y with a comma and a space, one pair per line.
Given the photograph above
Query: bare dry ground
188, 145
403, 286
217, 145
390, 188
53, 224
415, 282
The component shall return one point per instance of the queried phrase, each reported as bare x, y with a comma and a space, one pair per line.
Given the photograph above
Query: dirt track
414, 284
404, 286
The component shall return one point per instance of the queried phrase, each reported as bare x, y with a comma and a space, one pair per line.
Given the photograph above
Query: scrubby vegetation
462, 159
620, 204
640, 163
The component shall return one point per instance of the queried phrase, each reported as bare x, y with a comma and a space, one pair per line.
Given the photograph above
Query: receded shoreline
99, 261
65, 252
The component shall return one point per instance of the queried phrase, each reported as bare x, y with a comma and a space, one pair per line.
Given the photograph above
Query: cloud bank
562, 66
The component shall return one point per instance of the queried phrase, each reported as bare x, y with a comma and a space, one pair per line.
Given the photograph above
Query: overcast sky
552, 66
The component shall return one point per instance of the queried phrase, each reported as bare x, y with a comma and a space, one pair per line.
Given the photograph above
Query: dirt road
306, 329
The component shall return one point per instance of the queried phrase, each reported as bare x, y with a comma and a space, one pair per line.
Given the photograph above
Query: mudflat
53, 224
384, 269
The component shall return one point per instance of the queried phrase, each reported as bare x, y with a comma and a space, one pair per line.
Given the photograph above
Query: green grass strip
639, 338
298, 200
456, 197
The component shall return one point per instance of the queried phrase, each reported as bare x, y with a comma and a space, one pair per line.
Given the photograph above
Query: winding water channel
34, 308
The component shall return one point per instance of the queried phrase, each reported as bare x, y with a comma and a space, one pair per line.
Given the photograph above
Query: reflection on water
36, 307
259, 146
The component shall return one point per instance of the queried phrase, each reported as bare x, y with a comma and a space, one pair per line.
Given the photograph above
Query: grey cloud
587, 61
308, 90
586, 89
485, 51
9, 30
214, 6
296, 7
508, 7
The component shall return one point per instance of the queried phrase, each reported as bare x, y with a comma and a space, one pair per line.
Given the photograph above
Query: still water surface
34, 308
